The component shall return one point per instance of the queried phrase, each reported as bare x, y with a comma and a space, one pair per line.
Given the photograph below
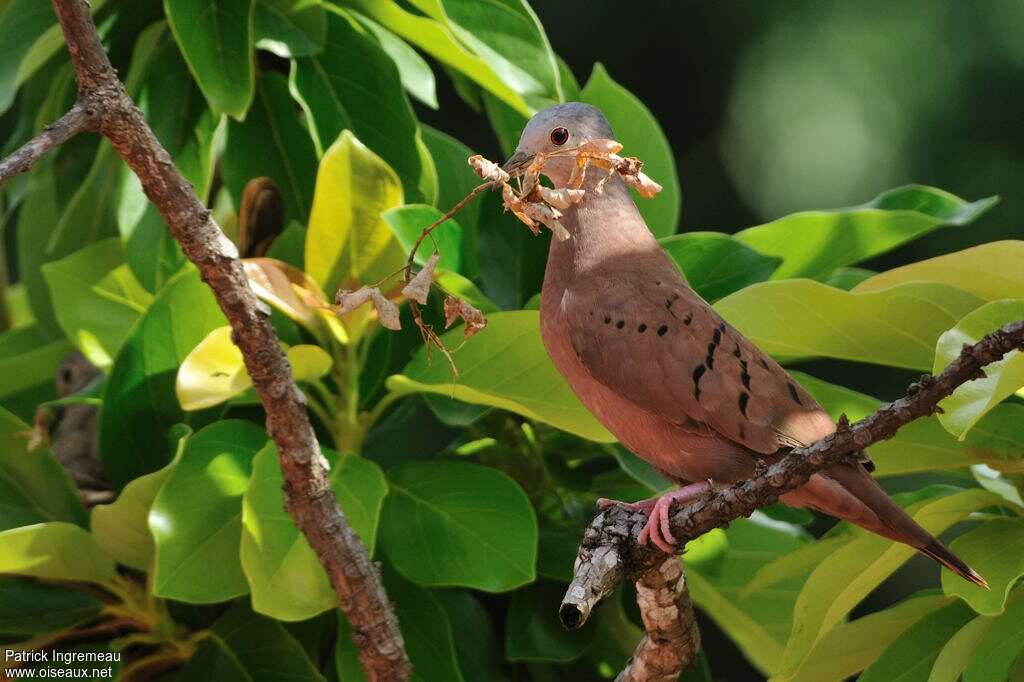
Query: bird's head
562, 126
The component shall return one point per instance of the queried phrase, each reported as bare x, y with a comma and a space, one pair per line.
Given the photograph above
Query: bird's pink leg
657, 509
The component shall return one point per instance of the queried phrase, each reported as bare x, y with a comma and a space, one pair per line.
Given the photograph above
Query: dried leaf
347, 301
542, 213
456, 308
600, 148
518, 207
419, 286
561, 198
488, 170
643, 184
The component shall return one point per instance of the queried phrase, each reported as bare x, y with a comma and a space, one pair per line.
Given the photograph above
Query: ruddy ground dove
664, 373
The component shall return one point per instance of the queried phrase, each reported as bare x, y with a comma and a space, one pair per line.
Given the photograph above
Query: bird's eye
559, 136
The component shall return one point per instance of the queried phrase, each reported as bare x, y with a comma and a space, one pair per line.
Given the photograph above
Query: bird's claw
658, 529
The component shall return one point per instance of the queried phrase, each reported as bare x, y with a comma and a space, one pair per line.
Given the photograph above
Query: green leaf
22, 23
851, 647
716, 264
31, 608
213, 661
55, 550
798, 563
139, 404
479, 652
533, 633
408, 222
758, 623
912, 654
425, 627
439, 41
265, 650
637, 129
272, 142
504, 366
455, 179
972, 400
813, 243
797, 319
990, 271
284, 575
28, 364
347, 239
416, 75
451, 523
122, 527
197, 544
332, 88
290, 28
33, 487
1000, 647
847, 279
923, 444
848, 575
957, 652
215, 372
98, 299
216, 39
995, 549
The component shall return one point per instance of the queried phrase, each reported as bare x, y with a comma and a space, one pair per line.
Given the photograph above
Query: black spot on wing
698, 372
662, 330
744, 375
744, 399
793, 394
642, 328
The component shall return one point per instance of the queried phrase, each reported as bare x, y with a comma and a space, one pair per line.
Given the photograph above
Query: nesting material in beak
517, 162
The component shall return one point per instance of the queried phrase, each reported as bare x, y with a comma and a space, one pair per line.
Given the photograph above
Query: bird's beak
517, 162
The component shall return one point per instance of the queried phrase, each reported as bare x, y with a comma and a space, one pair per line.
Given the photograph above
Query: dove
664, 373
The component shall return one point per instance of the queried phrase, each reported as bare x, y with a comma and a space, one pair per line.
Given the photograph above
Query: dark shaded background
775, 107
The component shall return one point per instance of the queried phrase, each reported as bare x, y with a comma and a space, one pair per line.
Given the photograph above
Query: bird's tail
859, 499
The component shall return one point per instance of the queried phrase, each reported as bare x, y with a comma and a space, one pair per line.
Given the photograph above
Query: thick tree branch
609, 552
81, 117
107, 108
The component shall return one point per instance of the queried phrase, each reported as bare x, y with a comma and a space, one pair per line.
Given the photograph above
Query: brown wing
652, 339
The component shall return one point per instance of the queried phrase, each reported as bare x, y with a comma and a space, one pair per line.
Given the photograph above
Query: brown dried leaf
561, 198
418, 287
488, 170
347, 301
643, 184
518, 207
542, 213
600, 148
456, 308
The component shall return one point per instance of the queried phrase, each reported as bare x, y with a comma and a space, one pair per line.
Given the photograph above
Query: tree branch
609, 552
80, 117
105, 106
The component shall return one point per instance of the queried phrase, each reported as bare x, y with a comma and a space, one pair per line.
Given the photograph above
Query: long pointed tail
849, 492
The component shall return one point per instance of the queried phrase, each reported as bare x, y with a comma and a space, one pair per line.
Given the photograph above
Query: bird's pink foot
658, 529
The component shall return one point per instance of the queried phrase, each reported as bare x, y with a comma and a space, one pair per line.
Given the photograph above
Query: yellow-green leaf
56, 550
995, 549
348, 242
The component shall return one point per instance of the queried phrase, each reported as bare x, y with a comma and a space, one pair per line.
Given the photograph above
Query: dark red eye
559, 136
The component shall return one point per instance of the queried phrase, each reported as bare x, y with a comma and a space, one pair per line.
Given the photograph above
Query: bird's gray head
557, 127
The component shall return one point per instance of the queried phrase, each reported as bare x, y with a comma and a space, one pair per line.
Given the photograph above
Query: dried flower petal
643, 184
488, 170
419, 286
600, 147
518, 207
455, 308
561, 198
347, 301
543, 213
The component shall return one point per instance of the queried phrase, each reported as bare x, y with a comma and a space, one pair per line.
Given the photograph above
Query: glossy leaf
287, 288
213, 661
923, 445
28, 363
30, 608
995, 549
285, 577
290, 28
272, 142
415, 73
637, 129
849, 648
98, 299
451, 523
479, 651
55, 550
1000, 647
757, 623
264, 648
813, 243
408, 221
22, 22
951, 661
846, 278
138, 400
33, 486
533, 633
848, 575
215, 372
504, 366
347, 240
716, 264
189, 537
912, 654
972, 400
216, 39
455, 179
796, 319
989, 271
332, 88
